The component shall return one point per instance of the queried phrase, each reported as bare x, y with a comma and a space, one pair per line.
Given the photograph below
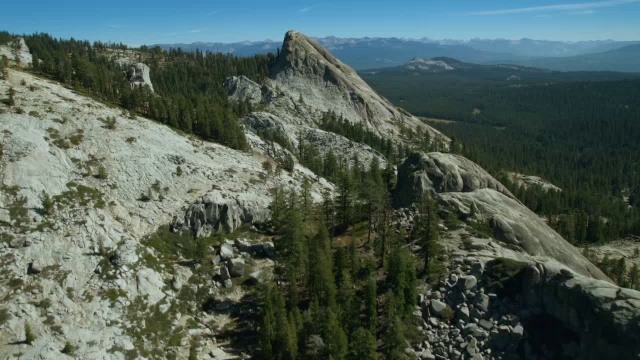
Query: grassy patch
79, 195
175, 245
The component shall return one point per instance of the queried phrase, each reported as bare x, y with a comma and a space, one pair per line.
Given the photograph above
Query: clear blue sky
165, 21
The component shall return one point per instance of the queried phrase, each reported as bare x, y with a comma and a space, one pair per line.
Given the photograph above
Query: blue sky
166, 21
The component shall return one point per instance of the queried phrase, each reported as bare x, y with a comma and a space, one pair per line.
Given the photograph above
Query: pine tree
426, 230
344, 199
334, 337
634, 277
395, 337
305, 198
278, 208
370, 304
362, 345
321, 280
294, 244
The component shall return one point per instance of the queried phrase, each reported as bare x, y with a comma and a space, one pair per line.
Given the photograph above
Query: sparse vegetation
47, 203
29, 336
110, 123
102, 173
4, 316
69, 348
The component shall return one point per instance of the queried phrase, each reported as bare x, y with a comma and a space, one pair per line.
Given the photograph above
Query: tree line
189, 92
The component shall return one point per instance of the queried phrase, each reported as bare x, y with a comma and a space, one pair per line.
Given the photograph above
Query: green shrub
4, 316
102, 173
110, 123
179, 171
47, 203
145, 197
29, 336
69, 348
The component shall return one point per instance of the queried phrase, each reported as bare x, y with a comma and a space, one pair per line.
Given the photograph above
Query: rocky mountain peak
302, 54
316, 82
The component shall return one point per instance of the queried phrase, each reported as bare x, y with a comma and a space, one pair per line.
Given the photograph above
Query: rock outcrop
427, 174
217, 213
139, 76
307, 81
530, 180
17, 52
517, 227
605, 317
324, 141
241, 88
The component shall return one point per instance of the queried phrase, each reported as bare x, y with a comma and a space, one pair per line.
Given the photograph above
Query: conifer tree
334, 337
426, 230
370, 304
362, 345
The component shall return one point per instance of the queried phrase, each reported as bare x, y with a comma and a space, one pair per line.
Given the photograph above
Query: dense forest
189, 92
346, 283
582, 136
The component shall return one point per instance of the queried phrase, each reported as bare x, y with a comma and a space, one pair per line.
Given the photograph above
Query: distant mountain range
625, 59
369, 53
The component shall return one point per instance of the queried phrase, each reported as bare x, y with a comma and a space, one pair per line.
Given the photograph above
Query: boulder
149, 283
226, 252
241, 88
438, 307
224, 273
467, 282
427, 174
263, 249
236, 267
139, 76
35, 267
257, 276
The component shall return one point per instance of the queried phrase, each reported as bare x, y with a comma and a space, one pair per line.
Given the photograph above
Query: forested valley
581, 135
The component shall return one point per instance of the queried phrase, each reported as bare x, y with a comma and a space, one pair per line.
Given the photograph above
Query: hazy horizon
154, 22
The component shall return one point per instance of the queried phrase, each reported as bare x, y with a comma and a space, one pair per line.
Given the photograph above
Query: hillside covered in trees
189, 86
578, 133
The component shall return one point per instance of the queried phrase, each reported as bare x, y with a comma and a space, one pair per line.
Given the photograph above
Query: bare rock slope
307, 81
81, 185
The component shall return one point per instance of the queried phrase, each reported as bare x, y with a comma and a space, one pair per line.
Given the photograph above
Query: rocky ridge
113, 180
307, 81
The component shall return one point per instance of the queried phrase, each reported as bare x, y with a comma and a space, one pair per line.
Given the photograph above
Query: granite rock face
427, 174
520, 229
241, 88
139, 76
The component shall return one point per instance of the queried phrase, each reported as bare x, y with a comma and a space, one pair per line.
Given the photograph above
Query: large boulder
236, 267
426, 174
519, 229
217, 213
149, 283
139, 76
241, 88
605, 317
